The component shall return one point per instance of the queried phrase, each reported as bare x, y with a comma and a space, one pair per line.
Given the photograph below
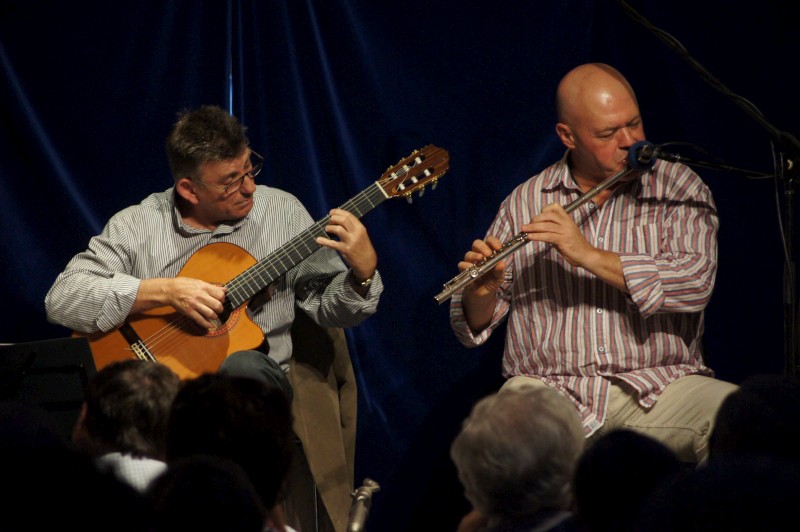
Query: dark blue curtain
333, 93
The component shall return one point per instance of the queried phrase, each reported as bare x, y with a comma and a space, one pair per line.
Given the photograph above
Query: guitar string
292, 250
165, 333
141, 352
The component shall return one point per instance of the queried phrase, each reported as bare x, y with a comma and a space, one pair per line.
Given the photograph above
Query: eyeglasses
256, 163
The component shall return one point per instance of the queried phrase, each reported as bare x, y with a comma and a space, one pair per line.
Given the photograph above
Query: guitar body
173, 339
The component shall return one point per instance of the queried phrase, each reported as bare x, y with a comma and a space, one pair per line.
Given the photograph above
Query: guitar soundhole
227, 321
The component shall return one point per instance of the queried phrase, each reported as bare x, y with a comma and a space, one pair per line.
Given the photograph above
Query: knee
257, 365
244, 363
713, 400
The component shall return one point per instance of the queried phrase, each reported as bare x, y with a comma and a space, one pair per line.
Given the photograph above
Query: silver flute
520, 239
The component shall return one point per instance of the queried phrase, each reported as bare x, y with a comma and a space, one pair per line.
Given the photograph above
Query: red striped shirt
577, 333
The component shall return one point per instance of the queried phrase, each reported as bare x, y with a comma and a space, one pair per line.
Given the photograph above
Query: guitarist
133, 265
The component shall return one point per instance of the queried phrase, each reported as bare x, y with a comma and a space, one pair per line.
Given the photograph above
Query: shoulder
265, 191
276, 197
529, 192
151, 207
676, 179
273, 205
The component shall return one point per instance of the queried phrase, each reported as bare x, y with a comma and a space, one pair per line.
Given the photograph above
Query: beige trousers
682, 418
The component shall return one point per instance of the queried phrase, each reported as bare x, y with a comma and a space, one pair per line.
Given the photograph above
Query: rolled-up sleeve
678, 275
94, 292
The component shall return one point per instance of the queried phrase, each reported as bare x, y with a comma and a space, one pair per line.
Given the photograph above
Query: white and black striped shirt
97, 289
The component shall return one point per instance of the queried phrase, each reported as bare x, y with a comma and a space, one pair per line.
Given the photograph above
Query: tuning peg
421, 191
409, 199
434, 184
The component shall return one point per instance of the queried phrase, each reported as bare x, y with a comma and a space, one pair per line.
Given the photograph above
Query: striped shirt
578, 333
97, 289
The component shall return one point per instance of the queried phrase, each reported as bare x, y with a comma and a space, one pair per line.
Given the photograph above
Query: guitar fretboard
257, 277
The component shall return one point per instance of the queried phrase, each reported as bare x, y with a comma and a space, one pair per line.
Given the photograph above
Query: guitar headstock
425, 165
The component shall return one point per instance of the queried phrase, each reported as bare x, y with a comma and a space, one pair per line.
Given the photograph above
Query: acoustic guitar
165, 336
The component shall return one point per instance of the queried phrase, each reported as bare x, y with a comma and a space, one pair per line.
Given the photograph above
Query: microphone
362, 501
642, 155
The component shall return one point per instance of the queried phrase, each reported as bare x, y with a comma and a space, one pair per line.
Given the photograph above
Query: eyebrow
629, 123
237, 175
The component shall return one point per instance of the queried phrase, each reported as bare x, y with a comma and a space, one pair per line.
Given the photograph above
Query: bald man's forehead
581, 101
590, 85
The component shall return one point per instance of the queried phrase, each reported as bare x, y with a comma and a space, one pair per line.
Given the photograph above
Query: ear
565, 134
187, 189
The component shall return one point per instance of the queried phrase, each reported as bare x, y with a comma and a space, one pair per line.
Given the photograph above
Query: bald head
598, 120
589, 88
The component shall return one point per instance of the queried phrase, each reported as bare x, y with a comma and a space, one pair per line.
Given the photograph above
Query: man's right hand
196, 299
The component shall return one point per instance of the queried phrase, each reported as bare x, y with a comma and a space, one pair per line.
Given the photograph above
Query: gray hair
517, 451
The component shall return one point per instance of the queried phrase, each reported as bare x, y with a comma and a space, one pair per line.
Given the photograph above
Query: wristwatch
366, 282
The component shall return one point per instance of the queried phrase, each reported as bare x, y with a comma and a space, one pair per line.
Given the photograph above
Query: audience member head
729, 493
516, 453
203, 492
242, 419
126, 409
762, 417
636, 465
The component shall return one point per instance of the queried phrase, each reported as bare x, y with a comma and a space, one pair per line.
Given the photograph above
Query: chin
244, 207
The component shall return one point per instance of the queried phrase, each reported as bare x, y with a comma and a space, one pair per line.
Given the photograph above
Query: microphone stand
789, 171
362, 502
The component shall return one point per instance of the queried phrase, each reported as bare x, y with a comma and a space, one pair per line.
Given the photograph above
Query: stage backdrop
335, 91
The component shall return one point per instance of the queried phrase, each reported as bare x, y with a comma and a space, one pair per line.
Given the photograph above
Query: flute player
605, 303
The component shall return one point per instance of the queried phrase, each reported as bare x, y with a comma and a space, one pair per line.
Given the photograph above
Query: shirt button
599, 311
602, 349
601, 239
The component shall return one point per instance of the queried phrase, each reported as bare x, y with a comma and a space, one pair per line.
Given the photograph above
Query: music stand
51, 375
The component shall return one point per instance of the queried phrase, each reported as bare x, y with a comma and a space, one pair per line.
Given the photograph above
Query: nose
627, 138
248, 185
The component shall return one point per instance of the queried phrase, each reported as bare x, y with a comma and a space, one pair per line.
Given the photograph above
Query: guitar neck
260, 275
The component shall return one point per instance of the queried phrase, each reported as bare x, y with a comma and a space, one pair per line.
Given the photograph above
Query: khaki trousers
682, 418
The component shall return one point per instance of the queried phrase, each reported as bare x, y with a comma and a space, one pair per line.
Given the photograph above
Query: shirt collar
560, 176
186, 229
